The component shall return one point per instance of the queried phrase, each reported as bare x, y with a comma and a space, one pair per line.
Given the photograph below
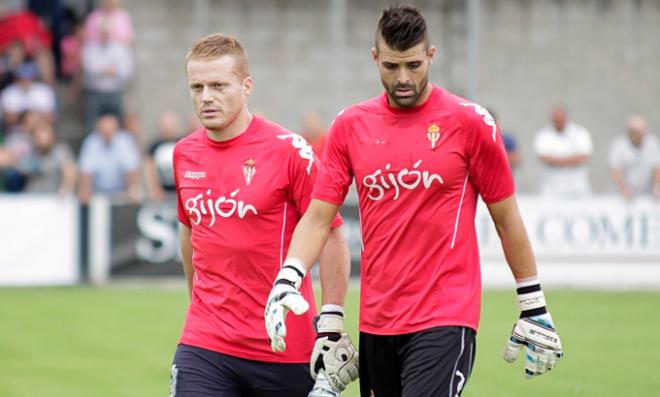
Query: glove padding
543, 344
335, 355
283, 297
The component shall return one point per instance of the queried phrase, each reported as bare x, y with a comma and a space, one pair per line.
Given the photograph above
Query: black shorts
434, 362
199, 372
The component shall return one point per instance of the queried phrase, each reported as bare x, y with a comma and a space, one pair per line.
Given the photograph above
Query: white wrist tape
530, 296
531, 300
293, 270
330, 322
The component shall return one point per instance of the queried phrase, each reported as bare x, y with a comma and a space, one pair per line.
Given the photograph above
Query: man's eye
414, 65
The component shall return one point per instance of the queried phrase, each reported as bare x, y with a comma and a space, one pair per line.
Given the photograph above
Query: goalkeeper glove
333, 353
534, 330
284, 297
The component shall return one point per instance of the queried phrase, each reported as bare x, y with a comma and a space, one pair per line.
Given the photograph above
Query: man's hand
534, 330
284, 297
334, 354
542, 341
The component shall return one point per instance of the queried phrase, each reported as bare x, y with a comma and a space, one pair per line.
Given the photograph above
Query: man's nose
206, 94
403, 77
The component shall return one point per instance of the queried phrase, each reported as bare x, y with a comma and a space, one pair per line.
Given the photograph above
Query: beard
406, 101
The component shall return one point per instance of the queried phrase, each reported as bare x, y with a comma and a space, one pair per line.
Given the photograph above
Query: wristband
331, 320
292, 273
531, 299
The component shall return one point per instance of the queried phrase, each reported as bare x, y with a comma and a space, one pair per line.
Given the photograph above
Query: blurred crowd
82, 52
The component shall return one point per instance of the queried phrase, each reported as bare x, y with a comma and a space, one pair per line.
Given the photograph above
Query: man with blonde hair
242, 184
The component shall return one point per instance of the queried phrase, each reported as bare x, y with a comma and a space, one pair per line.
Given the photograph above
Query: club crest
433, 135
249, 169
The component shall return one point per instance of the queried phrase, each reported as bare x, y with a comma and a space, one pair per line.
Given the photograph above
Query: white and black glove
535, 330
334, 354
284, 297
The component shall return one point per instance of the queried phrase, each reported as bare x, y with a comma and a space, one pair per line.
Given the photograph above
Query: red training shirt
418, 173
242, 199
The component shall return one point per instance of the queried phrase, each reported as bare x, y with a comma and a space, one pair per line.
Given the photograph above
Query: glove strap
331, 320
292, 273
531, 299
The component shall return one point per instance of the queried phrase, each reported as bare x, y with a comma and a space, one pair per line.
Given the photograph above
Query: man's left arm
534, 329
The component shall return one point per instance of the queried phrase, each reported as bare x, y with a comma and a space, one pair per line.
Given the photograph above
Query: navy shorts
434, 362
199, 372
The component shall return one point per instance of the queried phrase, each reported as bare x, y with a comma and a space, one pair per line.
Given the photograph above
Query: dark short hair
402, 26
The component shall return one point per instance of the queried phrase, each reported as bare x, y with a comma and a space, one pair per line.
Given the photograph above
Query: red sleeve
303, 171
490, 173
335, 174
180, 209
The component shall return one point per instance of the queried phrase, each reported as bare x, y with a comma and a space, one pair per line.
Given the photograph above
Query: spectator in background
635, 160
192, 123
24, 27
71, 60
107, 67
27, 94
564, 148
158, 167
109, 162
510, 144
111, 20
10, 60
21, 150
54, 168
314, 132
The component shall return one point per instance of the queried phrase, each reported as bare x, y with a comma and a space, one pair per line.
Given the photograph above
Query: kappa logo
304, 149
488, 119
194, 174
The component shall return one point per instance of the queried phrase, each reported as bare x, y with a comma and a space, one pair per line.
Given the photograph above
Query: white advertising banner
40, 240
598, 241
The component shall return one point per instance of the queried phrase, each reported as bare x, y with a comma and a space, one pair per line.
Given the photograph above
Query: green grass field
119, 341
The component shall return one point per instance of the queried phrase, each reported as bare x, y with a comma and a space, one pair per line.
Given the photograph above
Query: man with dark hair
242, 183
420, 157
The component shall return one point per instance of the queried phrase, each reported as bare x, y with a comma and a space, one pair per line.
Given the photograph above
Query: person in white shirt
107, 68
635, 160
564, 148
27, 94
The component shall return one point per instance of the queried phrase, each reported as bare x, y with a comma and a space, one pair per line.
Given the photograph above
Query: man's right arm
185, 245
308, 239
312, 232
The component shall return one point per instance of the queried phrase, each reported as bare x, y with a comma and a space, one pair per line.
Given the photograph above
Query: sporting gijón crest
249, 169
433, 135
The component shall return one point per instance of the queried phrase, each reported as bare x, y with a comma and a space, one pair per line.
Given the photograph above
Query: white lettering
194, 174
377, 182
214, 206
304, 149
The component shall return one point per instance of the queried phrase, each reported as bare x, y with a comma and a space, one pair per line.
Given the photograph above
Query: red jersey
418, 173
242, 199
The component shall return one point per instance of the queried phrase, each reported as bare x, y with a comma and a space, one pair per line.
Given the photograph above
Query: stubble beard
406, 102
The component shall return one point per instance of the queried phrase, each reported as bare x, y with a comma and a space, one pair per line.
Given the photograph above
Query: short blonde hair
217, 45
